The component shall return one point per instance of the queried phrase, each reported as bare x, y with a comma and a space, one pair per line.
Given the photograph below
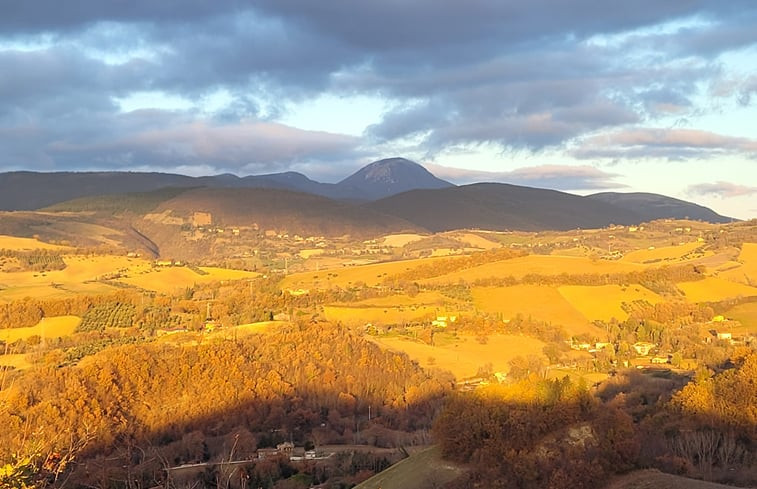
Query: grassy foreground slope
425, 469
653, 479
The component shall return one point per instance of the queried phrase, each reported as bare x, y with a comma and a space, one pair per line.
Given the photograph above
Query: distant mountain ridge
390, 177
26, 190
395, 193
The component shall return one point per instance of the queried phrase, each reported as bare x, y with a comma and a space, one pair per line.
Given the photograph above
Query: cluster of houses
289, 451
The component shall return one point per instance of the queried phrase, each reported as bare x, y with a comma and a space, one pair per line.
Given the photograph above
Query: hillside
654, 206
31, 190
501, 206
644, 479
294, 212
425, 469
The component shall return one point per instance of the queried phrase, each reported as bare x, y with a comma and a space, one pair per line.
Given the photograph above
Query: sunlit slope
465, 355
168, 280
361, 315
666, 254
24, 244
370, 275
541, 303
605, 302
746, 314
79, 277
537, 265
746, 270
52, 327
715, 289
422, 469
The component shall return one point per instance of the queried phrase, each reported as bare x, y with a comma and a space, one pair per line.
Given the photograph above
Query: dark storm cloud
523, 75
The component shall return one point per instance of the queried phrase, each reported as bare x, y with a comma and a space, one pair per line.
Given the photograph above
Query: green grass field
423, 470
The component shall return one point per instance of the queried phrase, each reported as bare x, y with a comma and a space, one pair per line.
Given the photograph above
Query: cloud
724, 190
666, 143
559, 177
521, 75
167, 140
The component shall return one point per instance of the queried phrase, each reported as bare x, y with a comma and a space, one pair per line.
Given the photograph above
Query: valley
236, 332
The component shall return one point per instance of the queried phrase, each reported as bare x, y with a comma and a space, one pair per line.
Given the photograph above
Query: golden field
360, 315
25, 244
465, 355
15, 360
400, 240
537, 264
715, 289
77, 278
667, 254
476, 241
606, 301
82, 273
423, 298
370, 275
746, 314
542, 303
52, 327
170, 279
745, 269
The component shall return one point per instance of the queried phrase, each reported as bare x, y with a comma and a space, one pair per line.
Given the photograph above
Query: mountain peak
391, 176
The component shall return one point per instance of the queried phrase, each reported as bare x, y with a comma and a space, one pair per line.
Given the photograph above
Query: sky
582, 96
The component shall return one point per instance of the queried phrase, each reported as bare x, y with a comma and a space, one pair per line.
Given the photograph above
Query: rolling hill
649, 207
390, 195
294, 212
500, 206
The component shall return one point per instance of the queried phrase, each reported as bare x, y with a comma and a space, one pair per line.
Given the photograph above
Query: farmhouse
643, 348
